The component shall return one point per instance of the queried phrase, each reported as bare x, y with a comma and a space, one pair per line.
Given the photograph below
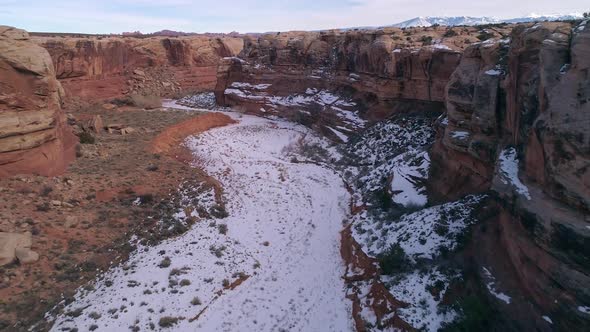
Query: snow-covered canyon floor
272, 265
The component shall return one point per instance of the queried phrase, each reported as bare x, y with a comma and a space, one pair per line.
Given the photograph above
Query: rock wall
363, 67
94, 68
517, 105
517, 123
34, 137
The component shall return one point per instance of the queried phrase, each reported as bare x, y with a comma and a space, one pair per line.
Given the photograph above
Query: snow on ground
417, 288
385, 140
491, 285
508, 171
275, 265
326, 100
584, 309
409, 176
241, 85
392, 155
422, 234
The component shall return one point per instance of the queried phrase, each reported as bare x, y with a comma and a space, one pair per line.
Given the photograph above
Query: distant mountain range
470, 20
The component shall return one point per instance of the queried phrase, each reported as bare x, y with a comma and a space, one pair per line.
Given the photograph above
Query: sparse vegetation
86, 138
426, 40
147, 102
196, 301
168, 321
393, 260
222, 228
384, 199
476, 315
94, 315
450, 33
165, 263
485, 35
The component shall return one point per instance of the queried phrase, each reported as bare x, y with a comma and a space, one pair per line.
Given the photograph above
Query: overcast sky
115, 16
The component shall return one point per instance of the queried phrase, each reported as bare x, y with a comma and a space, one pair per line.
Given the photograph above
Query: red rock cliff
364, 67
33, 135
517, 123
94, 68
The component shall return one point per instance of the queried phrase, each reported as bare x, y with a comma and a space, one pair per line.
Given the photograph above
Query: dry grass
147, 102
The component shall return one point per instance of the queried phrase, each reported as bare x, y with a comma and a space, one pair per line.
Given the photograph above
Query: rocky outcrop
324, 72
34, 137
517, 122
96, 68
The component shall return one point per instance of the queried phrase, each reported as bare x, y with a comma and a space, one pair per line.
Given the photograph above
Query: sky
116, 16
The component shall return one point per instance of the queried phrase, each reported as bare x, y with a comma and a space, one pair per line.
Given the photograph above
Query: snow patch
491, 285
409, 175
509, 171
461, 135
493, 72
340, 135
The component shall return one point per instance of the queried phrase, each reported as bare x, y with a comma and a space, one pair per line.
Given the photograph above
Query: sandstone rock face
103, 68
517, 122
275, 72
33, 134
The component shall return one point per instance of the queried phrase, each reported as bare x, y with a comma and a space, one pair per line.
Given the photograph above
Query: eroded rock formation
33, 135
518, 119
278, 73
93, 68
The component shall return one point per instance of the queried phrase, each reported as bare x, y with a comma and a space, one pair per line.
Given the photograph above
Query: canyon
483, 130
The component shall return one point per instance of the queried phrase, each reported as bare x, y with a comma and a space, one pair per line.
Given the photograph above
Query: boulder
14, 245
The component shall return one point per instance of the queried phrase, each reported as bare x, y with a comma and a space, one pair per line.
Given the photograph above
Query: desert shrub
165, 262
94, 315
86, 138
196, 301
46, 191
147, 102
146, 199
450, 33
222, 228
384, 198
485, 35
168, 321
426, 40
393, 260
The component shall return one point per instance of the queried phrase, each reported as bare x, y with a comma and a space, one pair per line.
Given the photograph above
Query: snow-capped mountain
470, 20
449, 21
538, 18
